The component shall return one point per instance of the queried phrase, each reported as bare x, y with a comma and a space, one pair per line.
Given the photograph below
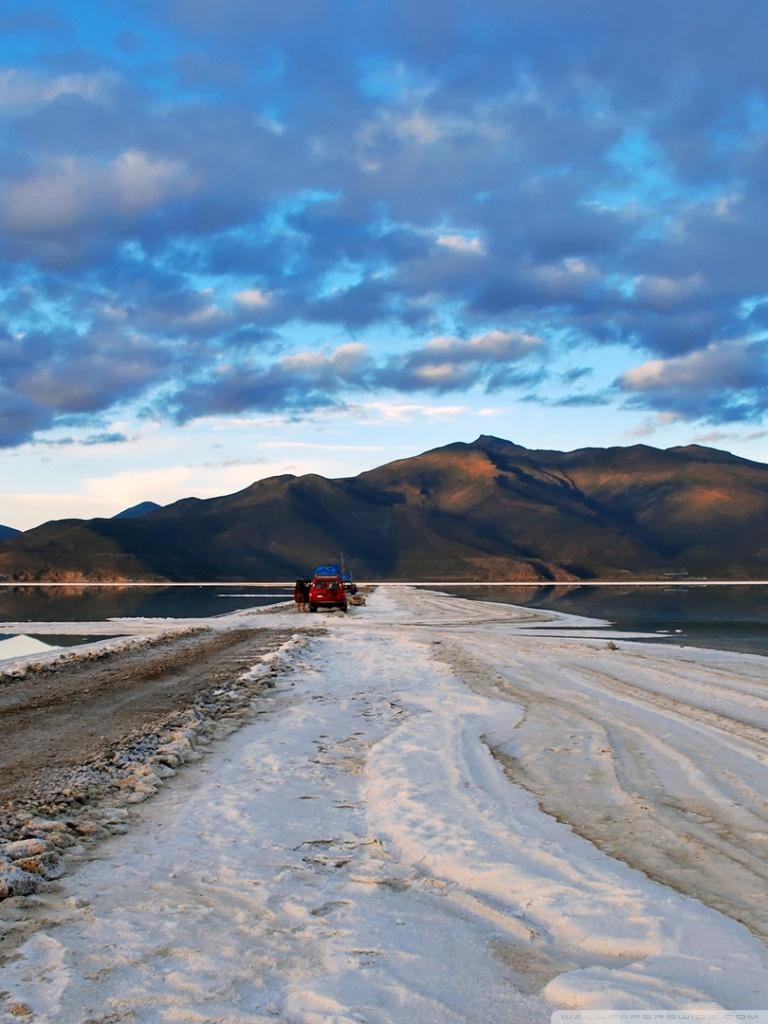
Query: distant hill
8, 531
487, 510
142, 509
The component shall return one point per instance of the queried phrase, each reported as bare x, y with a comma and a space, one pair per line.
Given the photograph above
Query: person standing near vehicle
301, 595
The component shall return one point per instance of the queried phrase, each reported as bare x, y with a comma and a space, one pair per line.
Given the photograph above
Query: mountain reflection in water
727, 617
96, 604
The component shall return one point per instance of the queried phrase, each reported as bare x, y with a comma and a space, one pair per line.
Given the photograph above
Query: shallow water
96, 604
721, 616
727, 617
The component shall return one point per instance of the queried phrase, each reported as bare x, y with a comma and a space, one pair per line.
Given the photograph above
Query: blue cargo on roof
327, 570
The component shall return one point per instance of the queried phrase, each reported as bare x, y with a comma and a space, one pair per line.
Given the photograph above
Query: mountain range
485, 510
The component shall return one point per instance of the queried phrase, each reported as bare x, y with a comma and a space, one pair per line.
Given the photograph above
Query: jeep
327, 592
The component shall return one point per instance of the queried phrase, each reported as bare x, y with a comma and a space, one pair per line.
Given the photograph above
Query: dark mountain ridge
138, 510
485, 510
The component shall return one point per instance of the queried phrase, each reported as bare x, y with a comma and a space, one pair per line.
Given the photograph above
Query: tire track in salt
654, 781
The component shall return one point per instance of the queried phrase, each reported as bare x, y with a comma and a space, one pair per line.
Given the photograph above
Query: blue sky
240, 239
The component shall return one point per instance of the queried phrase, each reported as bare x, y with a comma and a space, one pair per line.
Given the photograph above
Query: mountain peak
482, 510
702, 453
490, 443
135, 511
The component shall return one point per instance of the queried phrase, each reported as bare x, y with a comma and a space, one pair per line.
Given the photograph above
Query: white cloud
565, 275
506, 343
70, 190
407, 412
653, 424
499, 344
470, 246
664, 292
343, 359
206, 315
142, 181
417, 127
721, 364
254, 298
347, 358
129, 487
648, 375
713, 437
437, 373
53, 199
24, 91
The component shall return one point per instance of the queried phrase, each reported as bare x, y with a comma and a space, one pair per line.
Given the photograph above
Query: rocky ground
87, 736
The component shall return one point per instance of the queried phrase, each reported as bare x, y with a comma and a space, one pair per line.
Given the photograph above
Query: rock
35, 825
89, 828
113, 814
137, 797
24, 848
167, 757
138, 785
16, 882
57, 833
47, 865
64, 840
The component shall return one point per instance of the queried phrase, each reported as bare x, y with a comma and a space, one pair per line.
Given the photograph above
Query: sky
240, 239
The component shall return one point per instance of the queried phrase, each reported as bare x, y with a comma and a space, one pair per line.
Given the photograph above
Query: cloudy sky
241, 238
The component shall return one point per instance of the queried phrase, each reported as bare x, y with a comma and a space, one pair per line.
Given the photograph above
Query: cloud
563, 281
308, 380
665, 293
129, 487
72, 192
653, 424
472, 246
19, 419
417, 127
724, 382
582, 401
23, 91
254, 298
191, 192
299, 382
60, 376
407, 412
448, 364
142, 181
105, 437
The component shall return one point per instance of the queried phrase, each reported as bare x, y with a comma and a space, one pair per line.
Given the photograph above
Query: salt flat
21, 646
441, 817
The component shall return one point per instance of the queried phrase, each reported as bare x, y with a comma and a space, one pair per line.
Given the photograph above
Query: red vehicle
327, 592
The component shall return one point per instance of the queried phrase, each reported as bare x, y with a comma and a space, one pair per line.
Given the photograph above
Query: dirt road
56, 719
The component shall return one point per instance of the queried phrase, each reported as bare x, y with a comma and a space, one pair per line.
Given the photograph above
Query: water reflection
728, 617
722, 616
95, 604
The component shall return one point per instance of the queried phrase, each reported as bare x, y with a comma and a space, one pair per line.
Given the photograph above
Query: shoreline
408, 583
95, 733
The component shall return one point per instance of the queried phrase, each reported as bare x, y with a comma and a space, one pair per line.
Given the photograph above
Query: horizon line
404, 583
